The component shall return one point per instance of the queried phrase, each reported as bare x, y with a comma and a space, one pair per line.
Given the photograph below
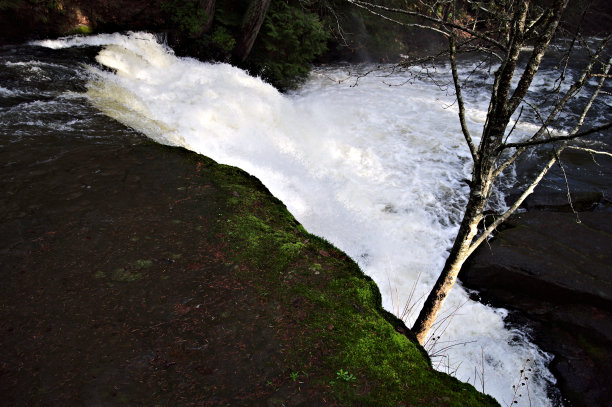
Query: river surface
376, 168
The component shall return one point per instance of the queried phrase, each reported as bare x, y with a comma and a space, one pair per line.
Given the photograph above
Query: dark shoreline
553, 274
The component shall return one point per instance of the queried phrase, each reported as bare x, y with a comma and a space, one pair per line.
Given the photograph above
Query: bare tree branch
559, 138
442, 23
370, 8
567, 186
553, 158
578, 84
516, 122
498, 114
501, 219
575, 37
590, 150
533, 65
501, 29
538, 23
464, 128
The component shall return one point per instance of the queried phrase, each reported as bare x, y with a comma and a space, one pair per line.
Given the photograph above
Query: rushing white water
375, 169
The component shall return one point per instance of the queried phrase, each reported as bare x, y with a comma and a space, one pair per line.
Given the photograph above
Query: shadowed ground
147, 275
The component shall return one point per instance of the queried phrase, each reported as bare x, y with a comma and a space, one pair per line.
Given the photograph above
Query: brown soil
109, 297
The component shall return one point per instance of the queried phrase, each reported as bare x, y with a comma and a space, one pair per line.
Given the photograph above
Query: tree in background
290, 39
362, 36
253, 19
275, 40
192, 18
516, 34
207, 14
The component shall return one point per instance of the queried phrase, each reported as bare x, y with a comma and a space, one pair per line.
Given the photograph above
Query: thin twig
442, 23
558, 138
590, 150
569, 194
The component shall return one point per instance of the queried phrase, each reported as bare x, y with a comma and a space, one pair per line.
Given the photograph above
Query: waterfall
376, 169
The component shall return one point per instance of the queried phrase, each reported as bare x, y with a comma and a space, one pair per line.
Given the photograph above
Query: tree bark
208, 6
501, 108
251, 24
448, 276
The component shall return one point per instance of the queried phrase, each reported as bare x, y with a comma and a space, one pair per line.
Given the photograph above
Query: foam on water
375, 169
7, 92
97, 40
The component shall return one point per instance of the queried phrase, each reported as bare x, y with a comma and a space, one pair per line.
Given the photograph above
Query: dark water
43, 109
579, 170
45, 118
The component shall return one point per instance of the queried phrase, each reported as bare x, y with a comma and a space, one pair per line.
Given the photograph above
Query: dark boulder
549, 255
554, 272
555, 201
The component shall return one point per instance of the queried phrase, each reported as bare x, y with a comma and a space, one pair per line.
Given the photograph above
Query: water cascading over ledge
374, 169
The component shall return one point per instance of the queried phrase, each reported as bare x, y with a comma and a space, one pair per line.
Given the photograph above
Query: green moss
328, 314
317, 268
288, 251
124, 275
329, 309
81, 30
142, 263
100, 274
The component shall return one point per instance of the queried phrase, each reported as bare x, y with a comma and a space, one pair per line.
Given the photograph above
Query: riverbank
147, 275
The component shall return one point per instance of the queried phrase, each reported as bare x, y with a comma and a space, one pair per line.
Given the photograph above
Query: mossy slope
338, 340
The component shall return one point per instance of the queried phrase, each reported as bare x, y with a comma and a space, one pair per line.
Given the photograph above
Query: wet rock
549, 255
553, 269
555, 201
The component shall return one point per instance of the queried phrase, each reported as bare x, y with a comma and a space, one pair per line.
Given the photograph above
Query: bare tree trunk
504, 102
251, 24
459, 253
208, 6
513, 25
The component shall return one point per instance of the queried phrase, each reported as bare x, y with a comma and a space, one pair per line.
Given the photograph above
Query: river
376, 168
